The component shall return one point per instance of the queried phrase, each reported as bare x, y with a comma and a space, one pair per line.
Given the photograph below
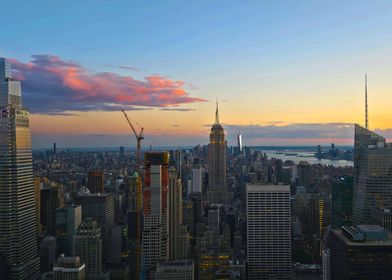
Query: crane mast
138, 246
139, 137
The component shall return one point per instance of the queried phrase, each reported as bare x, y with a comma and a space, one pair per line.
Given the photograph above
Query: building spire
366, 105
217, 112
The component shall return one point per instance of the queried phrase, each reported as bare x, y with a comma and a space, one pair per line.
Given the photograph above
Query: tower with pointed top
372, 171
217, 189
18, 218
366, 105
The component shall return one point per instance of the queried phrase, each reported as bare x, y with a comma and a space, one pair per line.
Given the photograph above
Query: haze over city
195, 140
292, 76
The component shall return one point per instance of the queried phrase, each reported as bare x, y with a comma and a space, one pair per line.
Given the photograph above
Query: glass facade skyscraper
372, 174
18, 227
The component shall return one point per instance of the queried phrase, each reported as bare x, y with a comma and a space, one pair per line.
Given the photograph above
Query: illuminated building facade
217, 188
18, 217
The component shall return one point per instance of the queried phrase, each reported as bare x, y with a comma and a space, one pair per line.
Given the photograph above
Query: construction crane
139, 138
138, 208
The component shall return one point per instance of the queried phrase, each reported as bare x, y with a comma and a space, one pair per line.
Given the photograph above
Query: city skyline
278, 73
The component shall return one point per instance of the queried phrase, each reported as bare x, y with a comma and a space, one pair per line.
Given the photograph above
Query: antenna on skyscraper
366, 105
217, 111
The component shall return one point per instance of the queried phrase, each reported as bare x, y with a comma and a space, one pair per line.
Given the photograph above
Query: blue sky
286, 56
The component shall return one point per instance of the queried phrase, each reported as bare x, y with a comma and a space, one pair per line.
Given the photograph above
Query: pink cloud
54, 85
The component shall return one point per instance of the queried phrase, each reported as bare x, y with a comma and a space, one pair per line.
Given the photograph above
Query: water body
300, 154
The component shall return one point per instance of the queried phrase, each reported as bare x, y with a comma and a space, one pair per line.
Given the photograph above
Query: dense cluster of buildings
207, 212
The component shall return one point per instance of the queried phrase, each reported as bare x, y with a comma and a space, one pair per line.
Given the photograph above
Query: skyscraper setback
18, 228
217, 188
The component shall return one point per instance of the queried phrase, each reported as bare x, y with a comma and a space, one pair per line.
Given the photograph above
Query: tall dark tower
217, 189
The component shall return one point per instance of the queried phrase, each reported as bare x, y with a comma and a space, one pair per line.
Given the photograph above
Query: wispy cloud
123, 67
178, 109
52, 85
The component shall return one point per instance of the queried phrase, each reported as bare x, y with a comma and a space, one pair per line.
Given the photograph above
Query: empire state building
217, 189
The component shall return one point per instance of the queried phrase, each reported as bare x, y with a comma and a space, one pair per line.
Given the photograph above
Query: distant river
297, 156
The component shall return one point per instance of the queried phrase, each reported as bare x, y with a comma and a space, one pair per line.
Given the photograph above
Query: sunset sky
285, 72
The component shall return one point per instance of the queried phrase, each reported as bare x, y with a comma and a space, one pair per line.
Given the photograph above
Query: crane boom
130, 124
137, 244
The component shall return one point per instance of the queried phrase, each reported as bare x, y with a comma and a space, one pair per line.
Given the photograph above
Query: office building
155, 201
52, 197
383, 218
217, 188
361, 252
47, 253
372, 176
134, 216
239, 143
213, 220
18, 229
175, 214
175, 270
96, 181
197, 179
268, 232
98, 207
87, 245
68, 219
342, 202
69, 268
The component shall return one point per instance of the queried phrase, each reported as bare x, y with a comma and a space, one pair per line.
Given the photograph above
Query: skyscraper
342, 202
96, 181
99, 207
175, 214
134, 215
372, 176
88, 246
18, 228
217, 189
68, 220
155, 200
239, 143
52, 197
268, 232
196, 178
